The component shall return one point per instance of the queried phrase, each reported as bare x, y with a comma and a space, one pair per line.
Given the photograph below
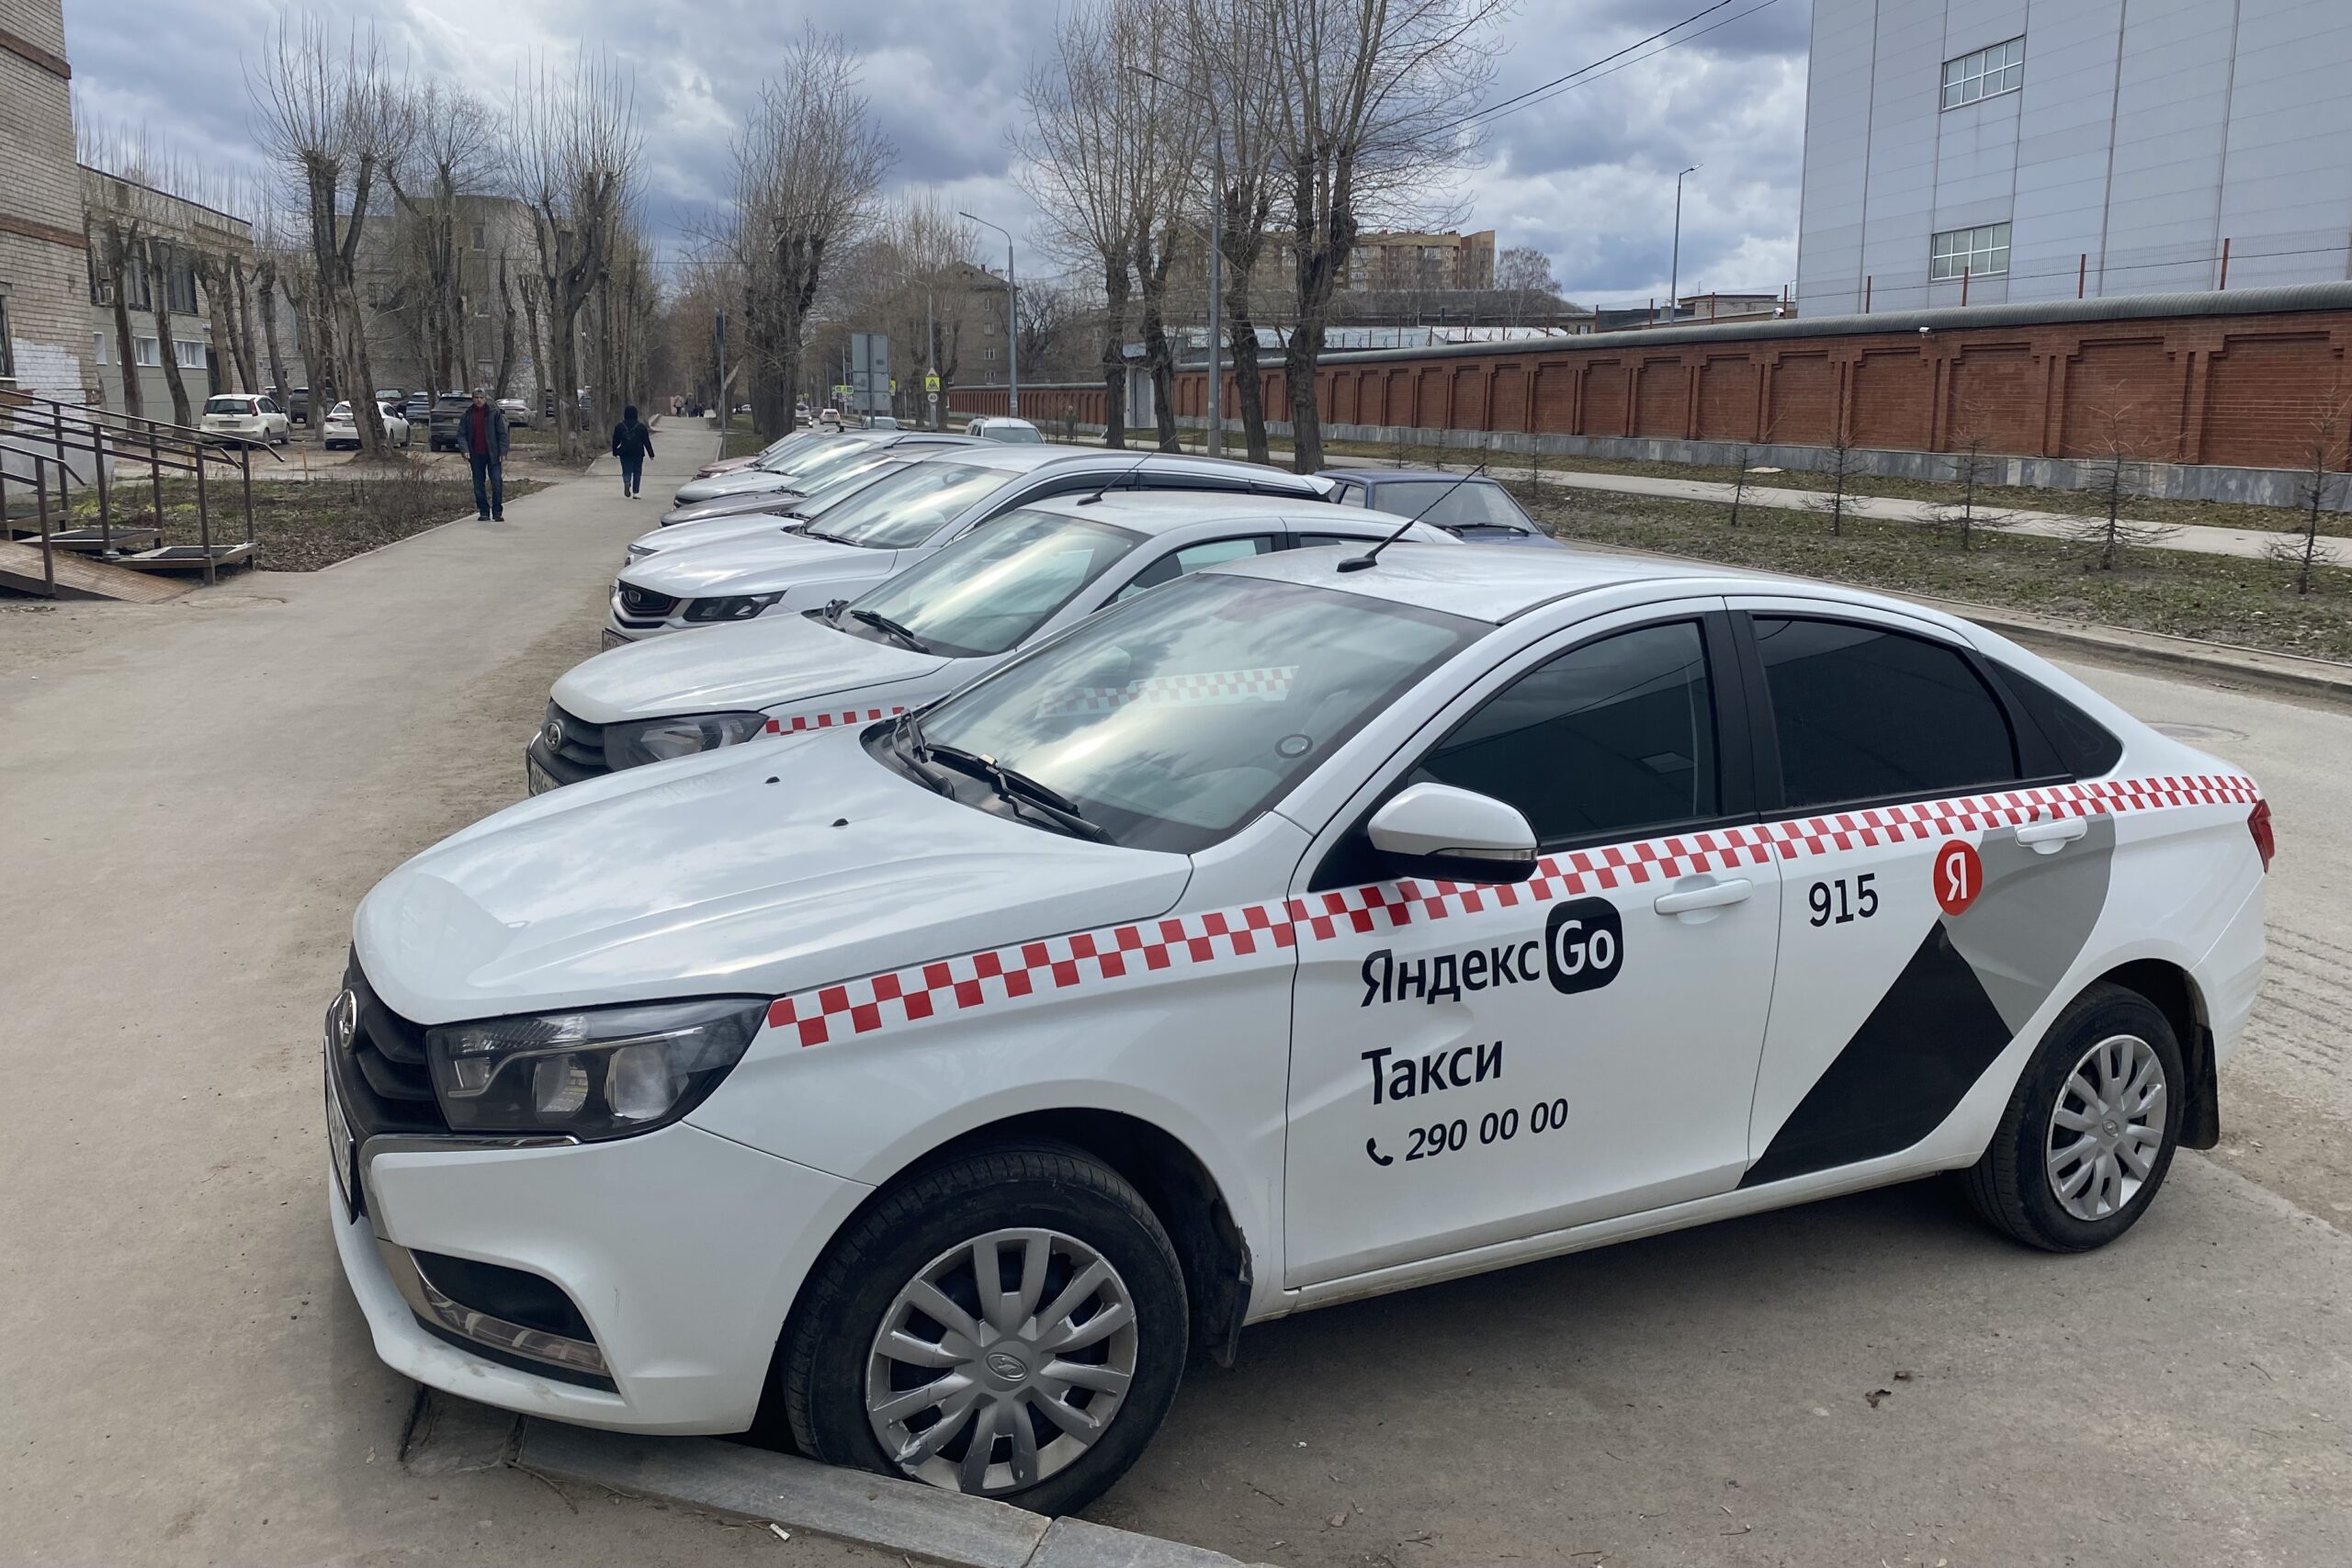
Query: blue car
1478, 509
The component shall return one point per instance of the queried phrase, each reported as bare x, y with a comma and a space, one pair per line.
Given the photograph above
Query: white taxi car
919, 636
891, 524
1300, 931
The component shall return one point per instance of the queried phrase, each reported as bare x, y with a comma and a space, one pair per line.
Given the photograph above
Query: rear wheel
2091, 1132
1010, 1324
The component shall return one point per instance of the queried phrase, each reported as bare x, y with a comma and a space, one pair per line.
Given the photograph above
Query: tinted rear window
2084, 747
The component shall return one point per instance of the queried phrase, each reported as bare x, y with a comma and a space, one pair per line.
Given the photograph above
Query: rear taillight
2258, 822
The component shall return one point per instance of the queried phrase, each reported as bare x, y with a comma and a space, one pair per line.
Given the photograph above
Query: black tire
822, 1360
2010, 1186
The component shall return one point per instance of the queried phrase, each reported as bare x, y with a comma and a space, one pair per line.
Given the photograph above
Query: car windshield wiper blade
883, 623
1020, 791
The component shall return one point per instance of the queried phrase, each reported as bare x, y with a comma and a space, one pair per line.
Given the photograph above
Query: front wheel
2091, 1128
1010, 1324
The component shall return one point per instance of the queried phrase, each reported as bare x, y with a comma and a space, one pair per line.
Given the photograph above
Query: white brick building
2040, 146
44, 286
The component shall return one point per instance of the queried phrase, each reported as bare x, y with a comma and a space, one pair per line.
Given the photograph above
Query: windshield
228, 405
340, 411
839, 485
909, 507
987, 591
1470, 506
821, 449
792, 445
1172, 720
1015, 435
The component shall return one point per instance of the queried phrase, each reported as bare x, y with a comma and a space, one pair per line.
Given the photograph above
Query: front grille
386, 1083
645, 603
582, 744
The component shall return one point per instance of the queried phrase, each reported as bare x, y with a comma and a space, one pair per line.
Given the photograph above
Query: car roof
1023, 459
1154, 511
1496, 585
1377, 476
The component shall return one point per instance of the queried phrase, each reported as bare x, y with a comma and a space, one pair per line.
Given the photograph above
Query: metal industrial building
2019, 149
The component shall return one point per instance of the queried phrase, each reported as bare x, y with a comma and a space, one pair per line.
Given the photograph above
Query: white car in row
1311, 927
959, 613
782, 515
246, 418
342, 428
891, 524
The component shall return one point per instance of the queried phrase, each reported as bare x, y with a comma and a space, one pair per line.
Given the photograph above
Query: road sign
931, 384
869, 372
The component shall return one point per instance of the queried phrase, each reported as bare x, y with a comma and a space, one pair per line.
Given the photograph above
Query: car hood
716, 530
757, 566
760, 869
748, 503
740, 483
779, 659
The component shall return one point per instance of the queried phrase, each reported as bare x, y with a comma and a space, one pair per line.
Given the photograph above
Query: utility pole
1674, 274
931, 357
718, 333
1216, 234
1012, 319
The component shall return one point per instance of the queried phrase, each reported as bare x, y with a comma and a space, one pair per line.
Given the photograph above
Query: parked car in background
343, 430
395, 396
799, 440
785, 513
517, 411
759, 489
920, 635
246, 418
418, 409
880, 422
447, 408
297, 405
1475, 508
1012, 432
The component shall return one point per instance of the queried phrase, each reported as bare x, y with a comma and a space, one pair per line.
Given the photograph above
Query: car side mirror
1455, 835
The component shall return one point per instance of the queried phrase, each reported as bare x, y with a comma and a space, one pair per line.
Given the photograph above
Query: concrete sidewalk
195, 796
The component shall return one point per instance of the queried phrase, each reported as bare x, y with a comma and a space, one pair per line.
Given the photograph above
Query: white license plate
613, 638
343, 1148
539, 780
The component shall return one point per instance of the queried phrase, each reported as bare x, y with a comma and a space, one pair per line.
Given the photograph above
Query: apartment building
44, 342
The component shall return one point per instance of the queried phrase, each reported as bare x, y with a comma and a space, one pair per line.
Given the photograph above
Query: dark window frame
1278, 540
2032, 756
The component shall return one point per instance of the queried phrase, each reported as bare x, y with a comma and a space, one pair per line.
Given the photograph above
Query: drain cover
2196, 733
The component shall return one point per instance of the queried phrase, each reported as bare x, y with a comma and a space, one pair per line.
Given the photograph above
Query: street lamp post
1217, 258
1012, 319
1674, 274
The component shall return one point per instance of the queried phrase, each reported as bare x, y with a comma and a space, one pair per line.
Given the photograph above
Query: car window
1615, 738
1172, 720
2083, 746
842, 483
1452, 506
1865, 714
829, 452
267, 406
227, 405
987, 592
909, 507
1348, 494
1192, 557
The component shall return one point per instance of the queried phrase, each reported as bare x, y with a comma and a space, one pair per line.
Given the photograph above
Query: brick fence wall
1047, 406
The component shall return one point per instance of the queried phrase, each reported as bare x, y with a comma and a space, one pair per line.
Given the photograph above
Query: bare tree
2319, 489
1972, 468
1369, 111
574, 141
1523, 277
1840, 464
328, 117
808, 164
1233, 66
2115, 475
446, 156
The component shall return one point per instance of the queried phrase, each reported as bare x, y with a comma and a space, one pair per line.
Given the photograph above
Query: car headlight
738, 607
597, 1073
659, 739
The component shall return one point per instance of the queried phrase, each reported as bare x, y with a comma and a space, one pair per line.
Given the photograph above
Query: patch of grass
303, 526
2221, 598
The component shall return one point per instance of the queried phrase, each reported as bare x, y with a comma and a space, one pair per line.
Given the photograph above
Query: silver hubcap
1002, 1363
2106, 1127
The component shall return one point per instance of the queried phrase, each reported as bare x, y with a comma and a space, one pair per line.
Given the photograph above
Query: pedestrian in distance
632, 444
482, 433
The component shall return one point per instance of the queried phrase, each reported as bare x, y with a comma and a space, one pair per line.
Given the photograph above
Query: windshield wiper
882, 623
1017, 790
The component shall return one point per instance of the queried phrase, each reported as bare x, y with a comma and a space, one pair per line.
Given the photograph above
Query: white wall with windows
2029, 139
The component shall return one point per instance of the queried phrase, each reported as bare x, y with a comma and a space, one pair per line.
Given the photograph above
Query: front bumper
680, 1249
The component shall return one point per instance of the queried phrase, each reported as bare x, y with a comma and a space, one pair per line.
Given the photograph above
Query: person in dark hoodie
481, 434
632, 444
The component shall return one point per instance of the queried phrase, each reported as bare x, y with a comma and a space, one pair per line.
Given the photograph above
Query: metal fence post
47, 551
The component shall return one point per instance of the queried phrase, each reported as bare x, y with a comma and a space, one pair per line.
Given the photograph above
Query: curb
920, 1522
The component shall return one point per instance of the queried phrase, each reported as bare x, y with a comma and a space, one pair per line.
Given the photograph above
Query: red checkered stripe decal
826, 718
1260, 930
1270, 684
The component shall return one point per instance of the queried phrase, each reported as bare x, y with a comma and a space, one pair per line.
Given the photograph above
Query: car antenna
1371, 557
1127, 474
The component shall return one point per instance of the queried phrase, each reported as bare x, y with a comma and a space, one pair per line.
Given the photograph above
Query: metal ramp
78, 577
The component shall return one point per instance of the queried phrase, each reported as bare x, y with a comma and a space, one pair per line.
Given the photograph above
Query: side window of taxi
1614, 738
1192, 557
1861, 713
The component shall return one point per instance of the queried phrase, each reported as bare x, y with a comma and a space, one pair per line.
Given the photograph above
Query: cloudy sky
1586, 176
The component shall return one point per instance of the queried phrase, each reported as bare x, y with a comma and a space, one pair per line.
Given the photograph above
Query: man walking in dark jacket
481, 434
632, 444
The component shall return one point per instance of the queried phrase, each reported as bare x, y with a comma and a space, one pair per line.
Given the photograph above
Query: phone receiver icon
1371, 1147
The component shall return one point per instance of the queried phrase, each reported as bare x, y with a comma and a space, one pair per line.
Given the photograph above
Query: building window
1998, 69
181, 275
482, 236
1981, 252
189, 353
8, 344
97, 348
145, 349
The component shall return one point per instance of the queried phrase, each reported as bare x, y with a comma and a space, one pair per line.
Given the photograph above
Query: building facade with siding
165, 235
2028, 150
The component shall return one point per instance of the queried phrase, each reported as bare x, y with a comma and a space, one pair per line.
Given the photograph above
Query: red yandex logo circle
1960, 876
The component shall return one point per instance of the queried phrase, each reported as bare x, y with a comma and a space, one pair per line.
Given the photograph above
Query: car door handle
2049, 837
1714, 896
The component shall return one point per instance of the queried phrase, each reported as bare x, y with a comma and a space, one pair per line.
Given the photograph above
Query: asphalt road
195, 796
